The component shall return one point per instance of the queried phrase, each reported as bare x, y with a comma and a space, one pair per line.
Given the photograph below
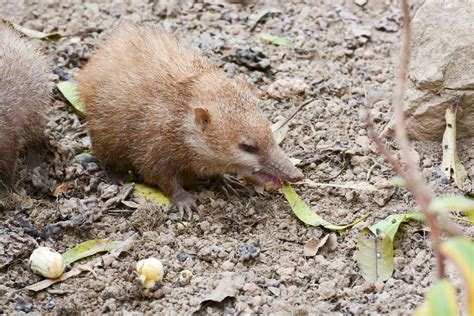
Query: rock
286, 274
359, 31
251, 288
441, 69
344, 14
363, 142
360, 3
274, 290
386, 24
251, 57
287, 87
228, 266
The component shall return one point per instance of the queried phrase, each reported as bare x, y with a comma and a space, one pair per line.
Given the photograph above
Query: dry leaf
52, 37
226, 288
48, 282
451, 164
280, 129
131, 204
312, 246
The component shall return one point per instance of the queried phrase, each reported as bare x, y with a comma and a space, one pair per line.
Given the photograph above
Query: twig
410, 173
296, 112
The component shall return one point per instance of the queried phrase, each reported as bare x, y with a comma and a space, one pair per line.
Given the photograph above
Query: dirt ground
340, 52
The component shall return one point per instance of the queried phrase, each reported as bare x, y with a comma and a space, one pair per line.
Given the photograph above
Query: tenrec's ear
202, 118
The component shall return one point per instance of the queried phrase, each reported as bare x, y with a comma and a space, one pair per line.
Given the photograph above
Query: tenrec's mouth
266, 178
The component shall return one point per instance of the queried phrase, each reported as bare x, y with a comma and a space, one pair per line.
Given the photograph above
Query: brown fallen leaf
131, 204
312, 246
48, 282
226, 288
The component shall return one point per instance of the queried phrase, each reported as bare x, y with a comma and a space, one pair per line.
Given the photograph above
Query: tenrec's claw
185, 203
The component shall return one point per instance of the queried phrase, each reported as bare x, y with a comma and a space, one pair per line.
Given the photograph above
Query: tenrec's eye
248, 148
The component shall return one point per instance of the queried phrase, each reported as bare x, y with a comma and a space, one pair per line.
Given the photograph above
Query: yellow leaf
461, 251
452, 203
374, 255
69, 91
145, 193
87, 249
440, 300
308, 216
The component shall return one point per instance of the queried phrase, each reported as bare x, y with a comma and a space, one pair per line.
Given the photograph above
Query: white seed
47, 262
185, 277
150, 273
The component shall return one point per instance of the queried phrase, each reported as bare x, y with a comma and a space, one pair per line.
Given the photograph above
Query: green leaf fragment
308, 216
452, 203
440, 300
374, 255
461, 251
275, 40
87, 249
399, 182
375, 246
143, 193
69, 91
391, 223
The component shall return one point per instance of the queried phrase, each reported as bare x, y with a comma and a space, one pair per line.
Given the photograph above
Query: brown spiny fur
141, 89
23, 96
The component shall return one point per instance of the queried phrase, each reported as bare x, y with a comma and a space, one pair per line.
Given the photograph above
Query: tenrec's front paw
185, 202
229, 185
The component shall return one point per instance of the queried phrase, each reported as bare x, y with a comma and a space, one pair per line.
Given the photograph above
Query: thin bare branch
302, 105
408, 170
